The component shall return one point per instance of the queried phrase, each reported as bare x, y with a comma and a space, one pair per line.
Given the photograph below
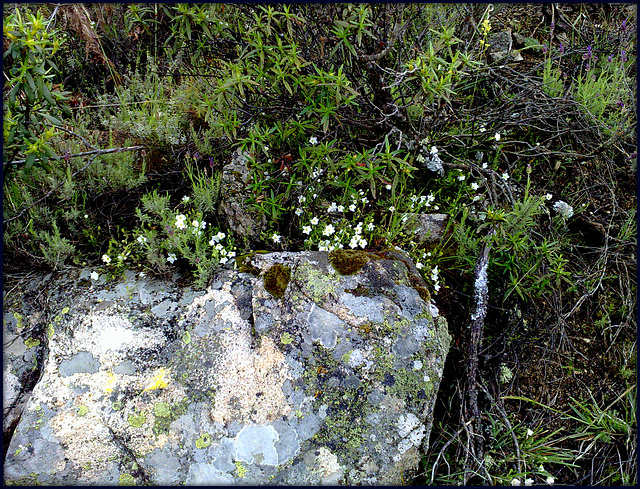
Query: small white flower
550, 480
314, 221
434, 273
529, 432
195, 224
419, 266
462, 177
484, 165
95, 275
142, 239
203, 224
185, 198
475, 186
505, 176
328, 230
516, 482
497, 136
548, 196
436, 286
180, 221
313, 140
528, 482
483, 129
434, 150
564, 209
352, 207
370, 226
171, 257
333, 207
266, 149
86, 216
340, 208
302, 199
363, 243
306, 230
218, 247
106, 259
224, 260
276, 238
392, 209
388, 187
299, 211
364, 200
231, 254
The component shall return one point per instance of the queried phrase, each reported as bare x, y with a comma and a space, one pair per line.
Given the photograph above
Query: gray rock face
426, 228
233, 206
332, 383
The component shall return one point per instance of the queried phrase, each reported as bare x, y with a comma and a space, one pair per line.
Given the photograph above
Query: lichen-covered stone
332, 383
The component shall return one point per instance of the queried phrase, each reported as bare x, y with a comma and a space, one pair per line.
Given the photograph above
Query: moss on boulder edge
331, 383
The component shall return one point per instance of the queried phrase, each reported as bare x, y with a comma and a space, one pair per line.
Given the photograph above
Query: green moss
348, 262
276, 279
116, 406
162, 409
126, 480
82, 410
286, 338
137, 420
315, 284
31, 342
204, 441
241, 470
243, 263
423, 293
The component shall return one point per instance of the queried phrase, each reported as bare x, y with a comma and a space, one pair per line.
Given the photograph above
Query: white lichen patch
410, 430
109, 338
88, 441
229, 314
327, 463
249, 382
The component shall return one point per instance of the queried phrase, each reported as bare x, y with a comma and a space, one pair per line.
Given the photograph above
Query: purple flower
624, 56
169, 230
196, 156
211, 161
620, 103
588, 67
610, 58
561, 48
545, 48
553, 26
624, 25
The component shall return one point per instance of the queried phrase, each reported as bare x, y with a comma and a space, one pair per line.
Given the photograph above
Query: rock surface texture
291, 374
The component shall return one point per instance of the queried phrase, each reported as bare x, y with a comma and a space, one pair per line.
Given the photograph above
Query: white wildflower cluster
423, 201
198, 227
224, 253
181, 222
357, 239
564, 209
435, 278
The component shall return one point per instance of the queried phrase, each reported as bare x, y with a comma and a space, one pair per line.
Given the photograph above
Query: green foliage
32, 105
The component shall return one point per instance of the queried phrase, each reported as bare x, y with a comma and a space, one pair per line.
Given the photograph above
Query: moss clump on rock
276, 280
244, 265
348, 262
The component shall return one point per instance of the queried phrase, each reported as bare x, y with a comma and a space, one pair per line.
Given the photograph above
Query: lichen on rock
331, 380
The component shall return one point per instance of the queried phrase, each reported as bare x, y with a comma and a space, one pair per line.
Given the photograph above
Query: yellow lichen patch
111, 379
348, 262
249, 382
159, 380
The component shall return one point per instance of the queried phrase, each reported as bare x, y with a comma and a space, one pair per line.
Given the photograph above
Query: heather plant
33, 107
